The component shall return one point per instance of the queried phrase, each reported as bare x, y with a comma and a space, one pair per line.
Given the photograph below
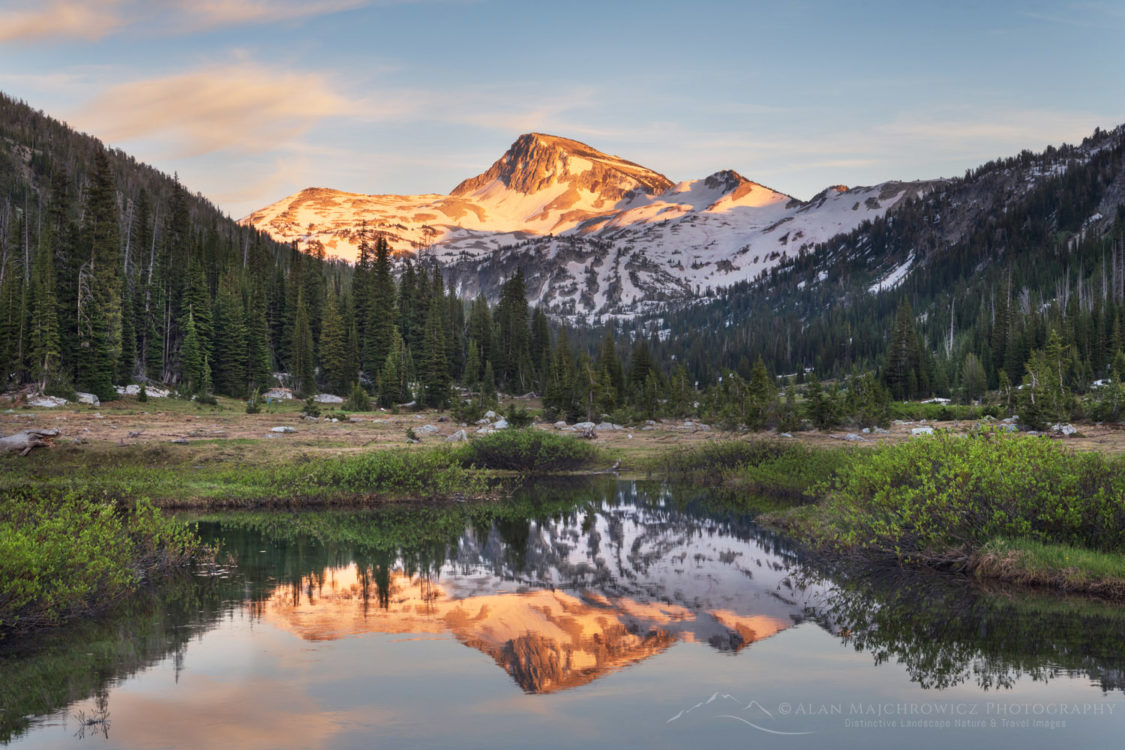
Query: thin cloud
242, 108
215, 13
76, 19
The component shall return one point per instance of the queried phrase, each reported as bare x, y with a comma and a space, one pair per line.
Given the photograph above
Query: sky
249, 101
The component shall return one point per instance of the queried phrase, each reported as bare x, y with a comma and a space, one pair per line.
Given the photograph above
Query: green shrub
310, 409
467, 410
66, 555
528, 451
518, 416
933, 494
358, 400
142, 395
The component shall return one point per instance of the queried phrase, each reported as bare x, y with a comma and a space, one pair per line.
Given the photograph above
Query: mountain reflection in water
591, 595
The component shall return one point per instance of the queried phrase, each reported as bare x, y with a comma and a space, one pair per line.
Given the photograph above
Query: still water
612, 614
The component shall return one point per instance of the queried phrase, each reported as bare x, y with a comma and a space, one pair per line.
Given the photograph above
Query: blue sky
251, 100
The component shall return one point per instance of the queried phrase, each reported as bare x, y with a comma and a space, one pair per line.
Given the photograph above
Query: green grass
784, 471
1058, 565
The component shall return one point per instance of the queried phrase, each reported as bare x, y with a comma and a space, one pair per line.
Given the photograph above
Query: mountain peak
538, 161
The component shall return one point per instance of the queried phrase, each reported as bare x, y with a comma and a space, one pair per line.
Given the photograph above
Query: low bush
528, 451
931, 495
63, 555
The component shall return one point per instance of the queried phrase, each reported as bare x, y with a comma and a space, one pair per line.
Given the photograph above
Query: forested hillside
981, 271
112, 273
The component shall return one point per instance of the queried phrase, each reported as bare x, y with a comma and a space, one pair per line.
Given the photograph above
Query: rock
922, 431
427, 429
180, 441
48, 402
583, 426
608, 426
327, 398
650, 422
486, 430
282, 429
866, 430
490, 415
500, 424
1066, 430
586, 433
457, 437
334, 419
88, 398
560, 425
854, 438
442, 418
483, 421
135, 390
880, 431
278, 394
786, 434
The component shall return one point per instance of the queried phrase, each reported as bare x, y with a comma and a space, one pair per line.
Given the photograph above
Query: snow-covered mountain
596, 235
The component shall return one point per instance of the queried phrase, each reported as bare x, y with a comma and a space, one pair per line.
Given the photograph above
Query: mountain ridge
648, 239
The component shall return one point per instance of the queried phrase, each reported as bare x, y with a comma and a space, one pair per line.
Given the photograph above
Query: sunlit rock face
595, 234
573, 601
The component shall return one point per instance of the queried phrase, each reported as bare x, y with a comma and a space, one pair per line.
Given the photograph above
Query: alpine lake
606, 613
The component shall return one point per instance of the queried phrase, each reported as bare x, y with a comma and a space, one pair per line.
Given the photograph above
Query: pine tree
259, 370
301, 364
382, 305
99, 295
334, 350
231, 350
513, 355
435, 364
193, 363
46, 353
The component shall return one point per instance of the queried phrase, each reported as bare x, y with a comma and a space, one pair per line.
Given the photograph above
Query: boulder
851, 437
922, 431
327, 398
88, 398
1066, 430
458, 437
48, 402
608, 426
560, 425
584, 426
282, 429
278, 394
490, 415
500, 424
427, 429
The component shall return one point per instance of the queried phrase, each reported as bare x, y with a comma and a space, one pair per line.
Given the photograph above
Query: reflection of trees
948, 630
48, 673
